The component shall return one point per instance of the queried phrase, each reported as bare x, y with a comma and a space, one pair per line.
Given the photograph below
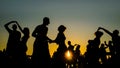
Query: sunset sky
81, 18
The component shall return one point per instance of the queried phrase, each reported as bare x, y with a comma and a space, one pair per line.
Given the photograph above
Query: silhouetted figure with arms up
13, 40
111, 49
70, 49
22, 48
116, 43
92, 54
70, 46
96, 44
41, 56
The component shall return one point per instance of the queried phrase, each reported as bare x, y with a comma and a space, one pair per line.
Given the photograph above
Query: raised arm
6, 25
108, 32
106, 44
19, 27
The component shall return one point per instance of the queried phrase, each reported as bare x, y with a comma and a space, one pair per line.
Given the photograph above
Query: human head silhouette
14, 26
115, 32
26, 31
69, 42
61, 28
46, 21
78, 47
98, 33
102, 45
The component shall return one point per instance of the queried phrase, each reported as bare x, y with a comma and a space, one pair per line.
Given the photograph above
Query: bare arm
6, 25
50, 41
108, 32
19, 27
106, 44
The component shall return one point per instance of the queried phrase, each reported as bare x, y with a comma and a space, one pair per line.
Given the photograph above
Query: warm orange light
68, 55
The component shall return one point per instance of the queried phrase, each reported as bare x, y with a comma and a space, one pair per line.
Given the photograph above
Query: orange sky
81, 18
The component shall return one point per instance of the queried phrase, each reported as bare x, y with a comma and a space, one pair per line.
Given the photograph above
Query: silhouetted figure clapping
41, 56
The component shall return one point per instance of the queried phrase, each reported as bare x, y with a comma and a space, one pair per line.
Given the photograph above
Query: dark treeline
95, 56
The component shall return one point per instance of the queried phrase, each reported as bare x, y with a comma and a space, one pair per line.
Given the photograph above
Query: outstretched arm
6, 25
108, 32
49, 40
19, 27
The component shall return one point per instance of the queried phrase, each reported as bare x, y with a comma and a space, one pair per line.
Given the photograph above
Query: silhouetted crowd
96, 56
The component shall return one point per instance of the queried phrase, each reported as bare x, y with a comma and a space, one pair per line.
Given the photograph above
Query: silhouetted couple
41, 56
16, 46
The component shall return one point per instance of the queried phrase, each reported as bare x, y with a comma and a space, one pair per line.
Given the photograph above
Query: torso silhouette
41, 54
60, 40
13, 40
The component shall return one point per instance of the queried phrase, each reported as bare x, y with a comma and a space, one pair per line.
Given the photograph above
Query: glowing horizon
81, 18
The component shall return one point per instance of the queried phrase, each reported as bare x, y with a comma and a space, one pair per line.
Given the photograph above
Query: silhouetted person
89, 52
115, 37
71, 50
96, 44
78, 59
41, 56
97, 41
13, 40
70, 46
111, 48
22, 48
103, 53
60, 40
92, 54
116, 43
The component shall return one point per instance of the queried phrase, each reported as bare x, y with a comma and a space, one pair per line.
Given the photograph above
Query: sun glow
68, 55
